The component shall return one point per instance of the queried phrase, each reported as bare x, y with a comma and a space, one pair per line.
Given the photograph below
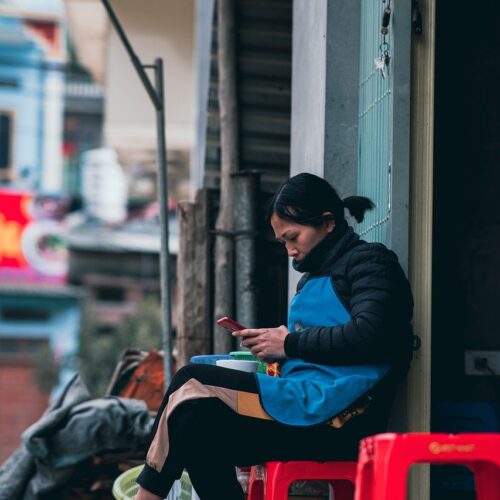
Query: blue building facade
31, 94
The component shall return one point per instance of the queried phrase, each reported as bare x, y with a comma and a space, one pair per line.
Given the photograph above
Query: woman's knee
191, 371
180, 377
186, 424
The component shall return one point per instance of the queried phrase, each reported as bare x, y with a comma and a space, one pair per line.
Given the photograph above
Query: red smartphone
230, 324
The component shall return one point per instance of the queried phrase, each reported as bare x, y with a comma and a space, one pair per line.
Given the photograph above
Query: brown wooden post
228, 113
193, 264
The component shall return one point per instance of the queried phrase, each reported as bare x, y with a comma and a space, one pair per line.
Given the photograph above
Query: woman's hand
267, 344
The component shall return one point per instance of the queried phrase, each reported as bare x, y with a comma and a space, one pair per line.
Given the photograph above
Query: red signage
32, 239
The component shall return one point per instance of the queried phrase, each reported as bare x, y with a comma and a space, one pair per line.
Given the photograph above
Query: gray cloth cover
72, 429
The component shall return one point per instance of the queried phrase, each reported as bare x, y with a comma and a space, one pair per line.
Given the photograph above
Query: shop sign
32, 238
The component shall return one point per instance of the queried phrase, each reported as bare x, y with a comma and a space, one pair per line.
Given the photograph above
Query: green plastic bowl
248, 356
124, 486
243, 355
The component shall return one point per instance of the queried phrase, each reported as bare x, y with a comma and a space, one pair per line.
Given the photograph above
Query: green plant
100, 350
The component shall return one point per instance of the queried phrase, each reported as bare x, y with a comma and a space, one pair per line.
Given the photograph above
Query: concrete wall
308, 86
156, 28
325, 93
342, 90
325, 90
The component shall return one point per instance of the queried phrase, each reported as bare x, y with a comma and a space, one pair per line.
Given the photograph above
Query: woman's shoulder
367, 255
367, 249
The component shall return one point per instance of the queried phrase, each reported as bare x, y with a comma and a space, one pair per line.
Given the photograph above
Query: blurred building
32, 48
64, 107
39, 313
157, 28
83, 123
118, 266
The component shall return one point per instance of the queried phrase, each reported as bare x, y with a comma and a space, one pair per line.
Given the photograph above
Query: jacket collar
331, 248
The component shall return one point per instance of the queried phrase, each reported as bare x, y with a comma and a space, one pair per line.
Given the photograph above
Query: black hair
305, 197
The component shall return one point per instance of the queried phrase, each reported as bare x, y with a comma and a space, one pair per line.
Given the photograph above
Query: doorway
466, 227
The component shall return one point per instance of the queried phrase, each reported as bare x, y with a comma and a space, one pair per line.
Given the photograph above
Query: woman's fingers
249, 332
250, 342
249, 337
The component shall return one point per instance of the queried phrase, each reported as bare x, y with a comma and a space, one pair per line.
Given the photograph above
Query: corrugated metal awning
264, 58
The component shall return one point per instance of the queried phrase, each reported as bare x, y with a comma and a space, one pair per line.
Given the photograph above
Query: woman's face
297, 238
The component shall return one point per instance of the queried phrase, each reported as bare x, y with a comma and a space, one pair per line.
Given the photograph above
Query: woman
346, 348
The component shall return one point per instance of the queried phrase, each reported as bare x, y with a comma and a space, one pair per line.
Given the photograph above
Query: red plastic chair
384, 461
275, 478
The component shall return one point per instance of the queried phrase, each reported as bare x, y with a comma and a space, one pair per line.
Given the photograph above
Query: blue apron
311, 393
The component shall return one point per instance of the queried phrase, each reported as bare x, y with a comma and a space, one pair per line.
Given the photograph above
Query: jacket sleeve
380, 304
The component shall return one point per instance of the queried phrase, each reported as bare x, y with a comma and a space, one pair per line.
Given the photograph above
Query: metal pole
163, 199
245, 219
156, 95
133, 57
229, 141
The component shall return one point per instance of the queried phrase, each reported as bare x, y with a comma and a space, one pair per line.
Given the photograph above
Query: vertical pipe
228, 115
163, 200
246, 184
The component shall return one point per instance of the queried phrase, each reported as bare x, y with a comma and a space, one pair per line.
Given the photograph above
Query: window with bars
384, 122
375, 121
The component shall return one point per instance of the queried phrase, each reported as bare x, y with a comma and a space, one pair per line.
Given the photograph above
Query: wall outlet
474, 360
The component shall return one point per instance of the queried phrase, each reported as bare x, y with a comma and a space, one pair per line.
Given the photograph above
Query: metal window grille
374, 126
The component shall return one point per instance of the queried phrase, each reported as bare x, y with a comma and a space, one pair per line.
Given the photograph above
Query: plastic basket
124, 486
209, 359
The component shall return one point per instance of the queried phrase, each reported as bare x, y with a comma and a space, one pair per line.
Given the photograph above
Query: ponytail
357, 206
306, 198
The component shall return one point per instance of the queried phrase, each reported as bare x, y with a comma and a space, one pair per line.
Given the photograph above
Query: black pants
207, 437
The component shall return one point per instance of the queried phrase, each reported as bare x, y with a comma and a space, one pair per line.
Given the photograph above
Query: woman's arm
380, 305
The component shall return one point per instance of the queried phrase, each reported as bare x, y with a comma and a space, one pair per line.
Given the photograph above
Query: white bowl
238, 364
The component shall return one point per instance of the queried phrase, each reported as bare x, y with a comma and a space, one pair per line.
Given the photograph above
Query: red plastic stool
276, 477
384, 461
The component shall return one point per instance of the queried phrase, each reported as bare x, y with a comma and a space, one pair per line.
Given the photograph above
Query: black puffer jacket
369, 281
